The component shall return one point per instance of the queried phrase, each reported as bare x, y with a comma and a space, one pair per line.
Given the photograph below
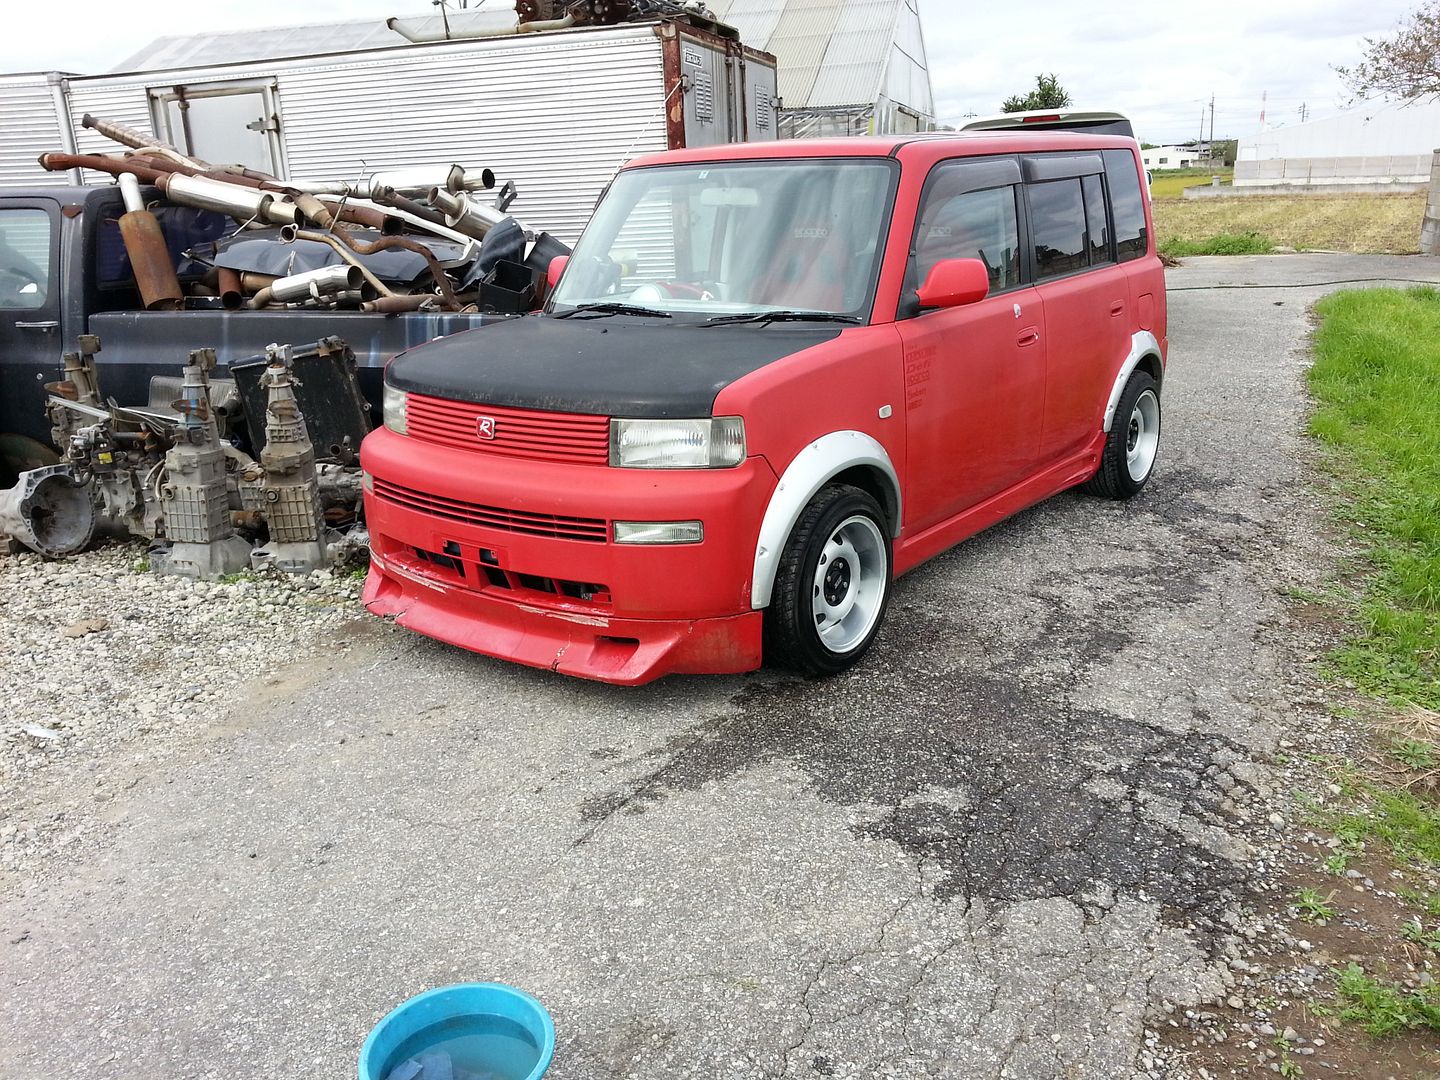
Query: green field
1171, 183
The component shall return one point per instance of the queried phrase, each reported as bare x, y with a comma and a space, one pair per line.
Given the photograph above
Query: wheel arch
850, 457
1144, 355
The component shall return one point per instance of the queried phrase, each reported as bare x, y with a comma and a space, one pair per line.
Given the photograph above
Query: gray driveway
1026, 819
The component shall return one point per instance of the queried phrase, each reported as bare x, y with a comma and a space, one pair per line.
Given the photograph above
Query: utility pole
1200, 141
1304, 111
1263, 95
1210, 146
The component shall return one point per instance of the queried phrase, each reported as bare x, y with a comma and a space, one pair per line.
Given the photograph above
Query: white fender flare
1142, 344
812, 468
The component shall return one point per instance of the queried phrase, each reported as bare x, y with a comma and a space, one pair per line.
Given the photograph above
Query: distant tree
1048, 94
1224, 150
1406, 64
1147, 146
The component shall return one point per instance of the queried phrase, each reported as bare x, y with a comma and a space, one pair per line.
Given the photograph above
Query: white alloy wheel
850, 583
1142, 438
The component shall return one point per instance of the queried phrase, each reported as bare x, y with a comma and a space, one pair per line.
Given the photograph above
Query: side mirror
955, 282
555, 269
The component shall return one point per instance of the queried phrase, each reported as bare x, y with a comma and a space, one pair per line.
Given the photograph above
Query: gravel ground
1037, 833
100, 658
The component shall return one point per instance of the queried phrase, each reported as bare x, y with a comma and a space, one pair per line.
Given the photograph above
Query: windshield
709, 240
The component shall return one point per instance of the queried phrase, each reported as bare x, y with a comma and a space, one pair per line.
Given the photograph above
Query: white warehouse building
1374, 144
844, 67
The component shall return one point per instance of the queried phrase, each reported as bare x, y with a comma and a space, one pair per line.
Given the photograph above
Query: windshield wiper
612, 307
781, 316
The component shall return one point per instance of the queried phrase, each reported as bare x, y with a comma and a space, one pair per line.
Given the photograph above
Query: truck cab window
25, 239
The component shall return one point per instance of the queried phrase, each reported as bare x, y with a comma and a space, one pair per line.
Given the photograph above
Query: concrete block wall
1430, 229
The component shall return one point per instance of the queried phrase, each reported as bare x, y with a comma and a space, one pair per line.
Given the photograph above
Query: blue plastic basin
491, 1028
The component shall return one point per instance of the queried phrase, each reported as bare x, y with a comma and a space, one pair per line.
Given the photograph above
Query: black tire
1114, 479
792, 637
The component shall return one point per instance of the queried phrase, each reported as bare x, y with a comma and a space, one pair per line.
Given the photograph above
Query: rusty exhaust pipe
100, 163
149, 256
232, 293
392, 305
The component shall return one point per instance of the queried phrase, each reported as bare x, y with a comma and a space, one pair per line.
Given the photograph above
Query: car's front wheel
832, 585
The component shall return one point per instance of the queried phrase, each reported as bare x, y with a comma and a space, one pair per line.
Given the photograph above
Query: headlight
392, 407
716, 443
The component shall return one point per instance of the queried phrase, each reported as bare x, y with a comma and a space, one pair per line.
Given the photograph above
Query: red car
770, 379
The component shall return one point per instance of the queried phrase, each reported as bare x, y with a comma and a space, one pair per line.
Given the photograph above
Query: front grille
519, 433
589, 530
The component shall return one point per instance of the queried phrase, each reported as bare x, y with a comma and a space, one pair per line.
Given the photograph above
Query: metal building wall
556, 113
31, 126
1373, 143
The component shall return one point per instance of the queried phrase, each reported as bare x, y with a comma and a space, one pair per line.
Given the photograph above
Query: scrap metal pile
400, 240
409, 240
172, 476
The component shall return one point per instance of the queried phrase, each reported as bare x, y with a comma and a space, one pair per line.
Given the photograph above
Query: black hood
619, 366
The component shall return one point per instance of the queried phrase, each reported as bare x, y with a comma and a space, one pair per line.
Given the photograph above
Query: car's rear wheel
1133, 442
832, 585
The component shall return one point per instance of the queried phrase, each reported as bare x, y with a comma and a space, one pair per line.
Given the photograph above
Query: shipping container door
225, 123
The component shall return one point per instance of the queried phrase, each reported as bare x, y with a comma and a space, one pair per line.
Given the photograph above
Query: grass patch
1312, 907
1408, 826
1376, 377
1384, 1008
1244, 243
1363, 224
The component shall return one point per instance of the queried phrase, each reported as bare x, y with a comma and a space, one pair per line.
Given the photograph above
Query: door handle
1028, 337
1117, 308
44, 324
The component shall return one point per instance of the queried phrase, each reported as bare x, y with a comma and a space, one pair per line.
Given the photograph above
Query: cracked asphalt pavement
1027, 821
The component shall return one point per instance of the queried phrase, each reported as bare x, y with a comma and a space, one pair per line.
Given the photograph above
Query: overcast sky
1158, 63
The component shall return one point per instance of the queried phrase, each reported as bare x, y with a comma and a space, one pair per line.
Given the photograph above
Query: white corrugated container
29, 126
557, 113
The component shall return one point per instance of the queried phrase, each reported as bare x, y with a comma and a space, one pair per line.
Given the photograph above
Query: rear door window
1127, 204
26, 238
1057, 227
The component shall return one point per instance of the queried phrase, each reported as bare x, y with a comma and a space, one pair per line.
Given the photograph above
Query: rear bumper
514, 560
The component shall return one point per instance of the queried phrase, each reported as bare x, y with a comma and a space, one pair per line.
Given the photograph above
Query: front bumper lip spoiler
624, 652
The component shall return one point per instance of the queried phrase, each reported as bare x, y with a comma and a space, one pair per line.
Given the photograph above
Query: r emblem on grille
485, 427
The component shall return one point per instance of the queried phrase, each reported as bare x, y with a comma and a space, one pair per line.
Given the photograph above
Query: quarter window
1127, 204
1096, 226
1057, 225
25, 238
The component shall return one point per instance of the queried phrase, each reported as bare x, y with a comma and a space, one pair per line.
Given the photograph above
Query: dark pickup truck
64, 272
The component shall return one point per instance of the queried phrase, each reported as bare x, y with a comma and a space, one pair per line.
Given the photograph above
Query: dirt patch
1362, 224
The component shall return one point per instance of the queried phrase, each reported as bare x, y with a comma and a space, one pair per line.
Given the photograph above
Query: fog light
367, 483
659, 532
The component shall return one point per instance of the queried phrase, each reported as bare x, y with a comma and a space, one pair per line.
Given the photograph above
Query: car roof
928, 144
